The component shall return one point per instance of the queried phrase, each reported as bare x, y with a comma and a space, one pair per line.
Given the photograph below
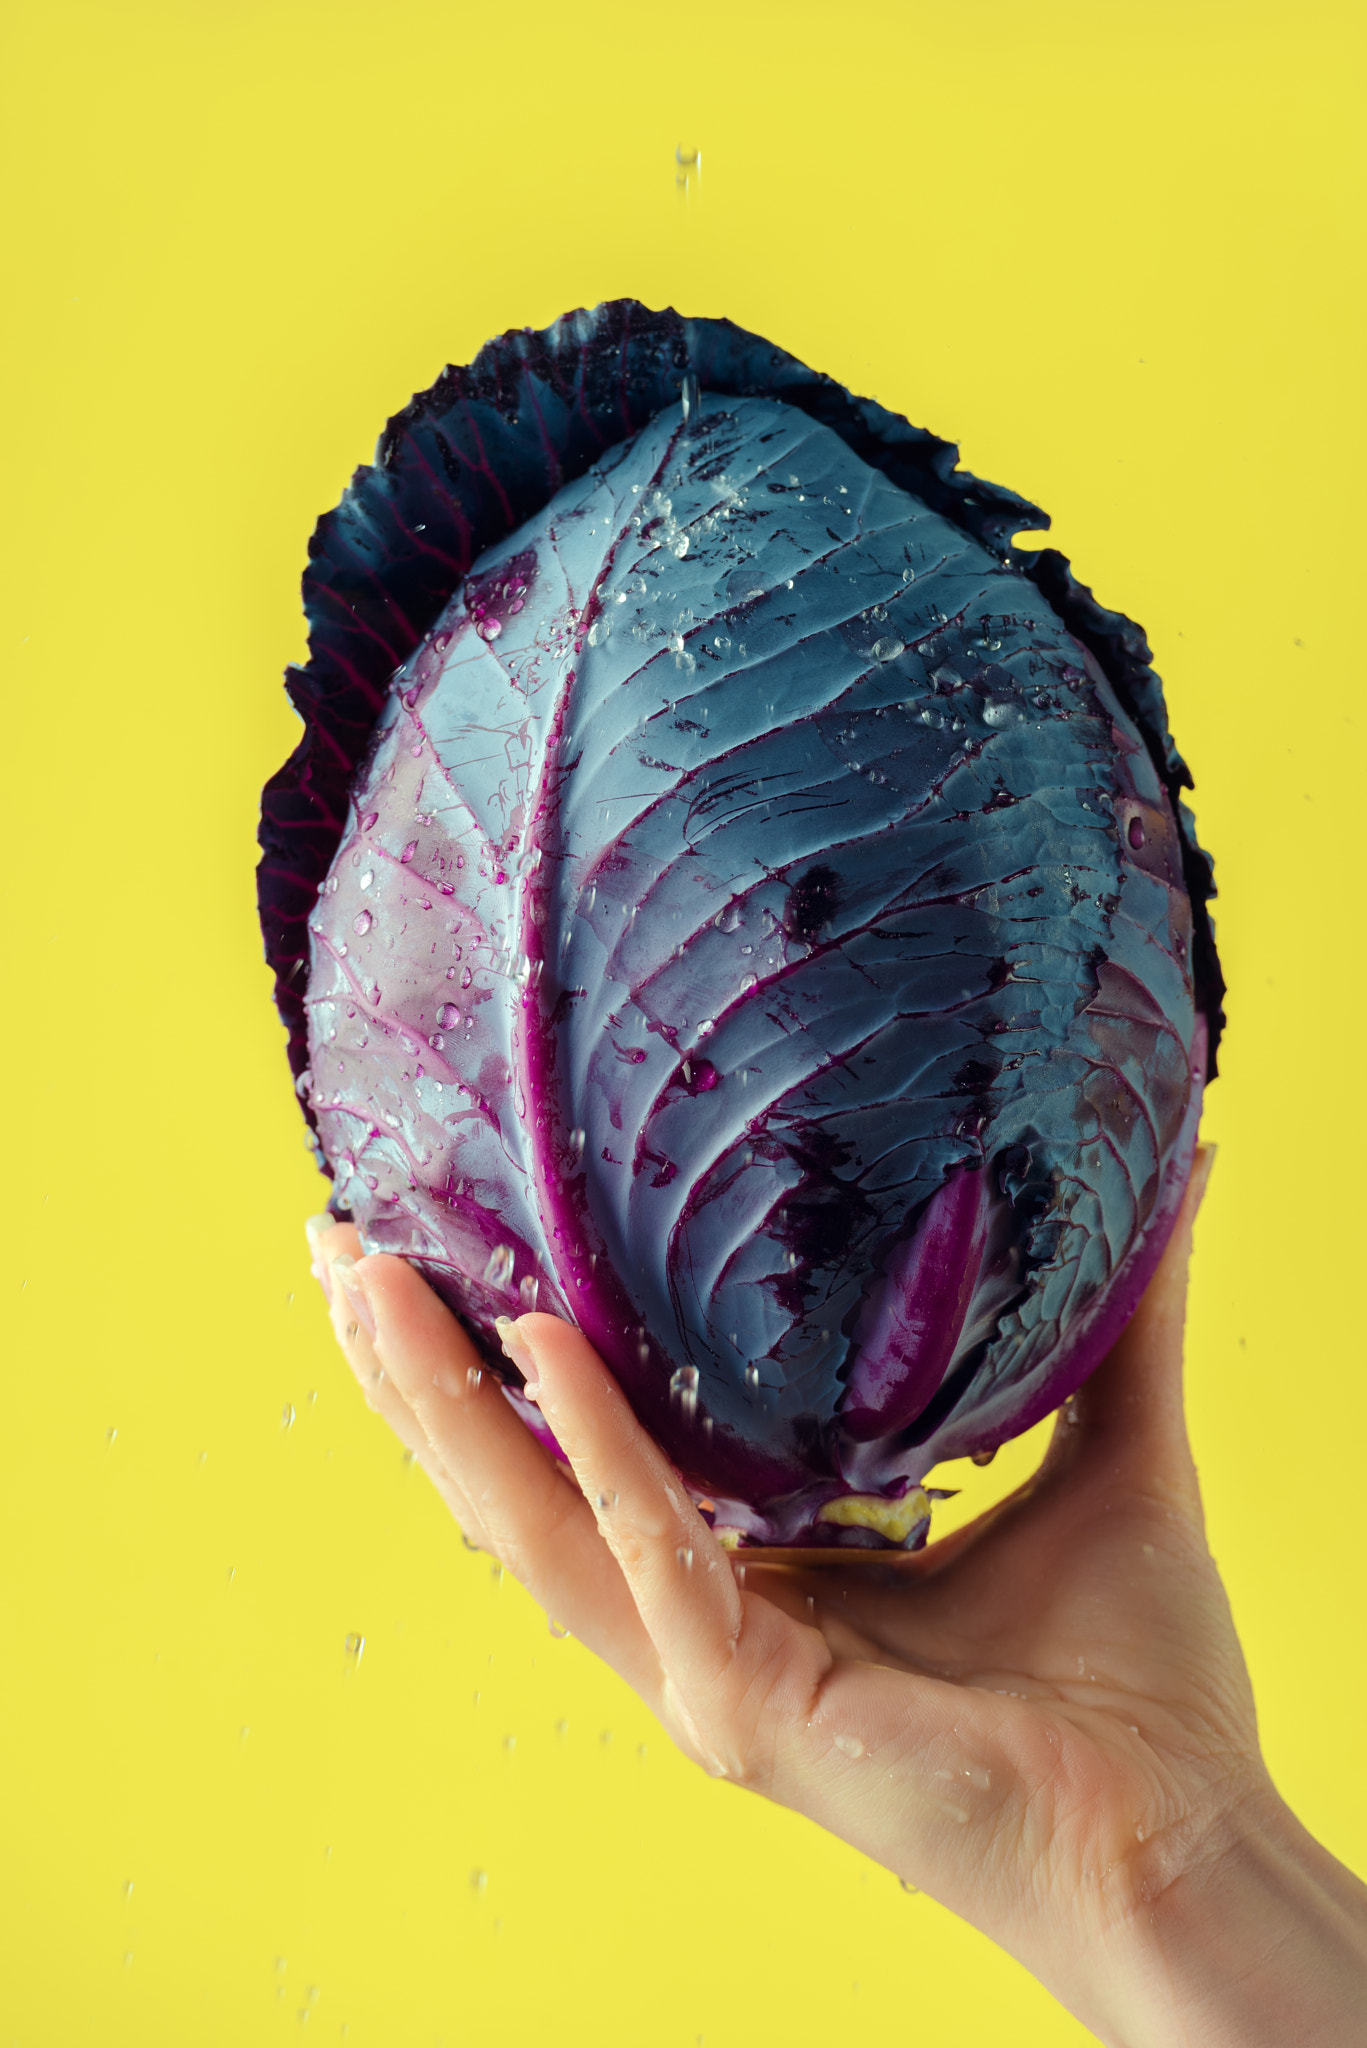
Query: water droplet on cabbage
499, 1270
683, 1388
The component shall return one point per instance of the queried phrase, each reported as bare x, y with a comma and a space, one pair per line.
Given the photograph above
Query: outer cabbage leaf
485, 448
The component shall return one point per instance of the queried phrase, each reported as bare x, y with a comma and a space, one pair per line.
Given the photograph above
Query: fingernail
353, 1288
314, 1226
515, 1348
324, 1278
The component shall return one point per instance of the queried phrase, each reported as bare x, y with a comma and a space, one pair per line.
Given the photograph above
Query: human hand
1044, 1720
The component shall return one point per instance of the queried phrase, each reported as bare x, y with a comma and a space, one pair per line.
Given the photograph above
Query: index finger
730, 1659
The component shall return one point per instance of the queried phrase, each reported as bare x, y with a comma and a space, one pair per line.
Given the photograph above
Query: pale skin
1045, 1720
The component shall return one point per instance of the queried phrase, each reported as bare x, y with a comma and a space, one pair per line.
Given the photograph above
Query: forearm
1261, 1944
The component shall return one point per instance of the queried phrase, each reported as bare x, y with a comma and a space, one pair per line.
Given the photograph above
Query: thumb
1131, 1409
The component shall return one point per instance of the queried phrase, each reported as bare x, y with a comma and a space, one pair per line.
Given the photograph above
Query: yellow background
1111, 249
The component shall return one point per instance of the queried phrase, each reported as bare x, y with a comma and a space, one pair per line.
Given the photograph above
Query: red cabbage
750, 909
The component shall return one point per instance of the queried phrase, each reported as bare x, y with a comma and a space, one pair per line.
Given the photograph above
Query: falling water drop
499, 1270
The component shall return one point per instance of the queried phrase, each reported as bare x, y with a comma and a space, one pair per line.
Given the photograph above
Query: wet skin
1045, 1721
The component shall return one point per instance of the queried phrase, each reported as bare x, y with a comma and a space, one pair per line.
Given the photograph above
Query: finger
900, 1764
1129, 1415
384, 1397
534, 1518
329, 1240
737, 1670
334, 1246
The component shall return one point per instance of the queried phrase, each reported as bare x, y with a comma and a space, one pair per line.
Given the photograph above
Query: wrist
1257, 1937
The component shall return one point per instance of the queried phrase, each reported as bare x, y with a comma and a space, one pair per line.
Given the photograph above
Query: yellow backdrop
1110, 248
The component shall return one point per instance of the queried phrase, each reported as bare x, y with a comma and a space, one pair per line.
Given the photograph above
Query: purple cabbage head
727, 897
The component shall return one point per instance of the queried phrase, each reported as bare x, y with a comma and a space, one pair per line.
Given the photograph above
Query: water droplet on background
355, 1645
